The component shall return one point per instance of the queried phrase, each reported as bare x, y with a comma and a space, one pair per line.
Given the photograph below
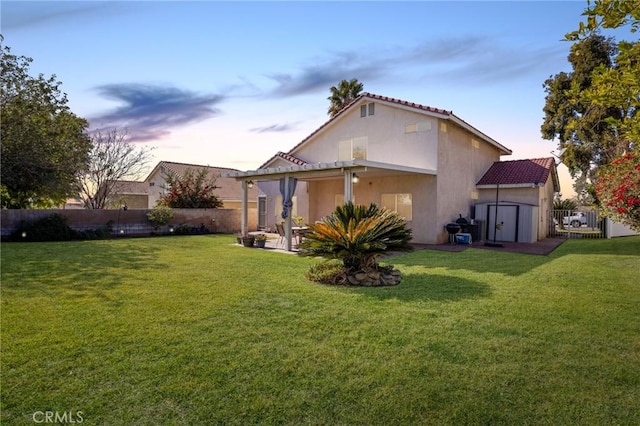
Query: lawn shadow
79, 266
482, 261
427, 287
506, 261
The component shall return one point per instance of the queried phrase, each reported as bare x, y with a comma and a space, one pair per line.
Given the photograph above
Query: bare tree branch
112, 158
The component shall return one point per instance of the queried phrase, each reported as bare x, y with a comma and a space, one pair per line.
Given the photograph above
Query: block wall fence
133, 221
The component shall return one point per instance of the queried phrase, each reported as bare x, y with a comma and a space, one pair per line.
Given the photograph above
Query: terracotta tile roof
518, 172
291, 158
401, 102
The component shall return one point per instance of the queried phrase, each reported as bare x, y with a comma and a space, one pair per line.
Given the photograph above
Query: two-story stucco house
421, 161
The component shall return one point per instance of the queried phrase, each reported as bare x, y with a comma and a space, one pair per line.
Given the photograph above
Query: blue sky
231, 83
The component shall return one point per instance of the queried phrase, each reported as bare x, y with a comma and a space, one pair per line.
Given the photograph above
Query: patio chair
281, 233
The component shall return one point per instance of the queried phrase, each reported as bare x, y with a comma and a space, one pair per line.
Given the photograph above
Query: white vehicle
576, 220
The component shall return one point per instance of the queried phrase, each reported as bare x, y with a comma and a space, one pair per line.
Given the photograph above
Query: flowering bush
191, 190
618, 190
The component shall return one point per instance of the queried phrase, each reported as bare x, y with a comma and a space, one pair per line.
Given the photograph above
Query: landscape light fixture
355, 178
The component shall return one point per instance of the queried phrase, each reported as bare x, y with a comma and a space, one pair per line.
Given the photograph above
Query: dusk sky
231, 83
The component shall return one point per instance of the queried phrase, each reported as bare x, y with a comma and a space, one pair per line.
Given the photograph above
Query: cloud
151, 111
274, 128
18, 15
320, 76
455, 60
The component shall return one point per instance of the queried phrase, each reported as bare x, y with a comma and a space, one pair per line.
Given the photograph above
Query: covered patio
288, 176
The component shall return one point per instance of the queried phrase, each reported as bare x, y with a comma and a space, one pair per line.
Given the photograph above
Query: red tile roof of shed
518, 172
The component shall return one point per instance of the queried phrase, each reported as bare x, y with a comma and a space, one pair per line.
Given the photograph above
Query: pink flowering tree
618, 190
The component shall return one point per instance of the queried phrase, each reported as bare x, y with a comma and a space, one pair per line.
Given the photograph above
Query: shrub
55, 228
329, 272
357, 235
50, 228
618, 189
160, 215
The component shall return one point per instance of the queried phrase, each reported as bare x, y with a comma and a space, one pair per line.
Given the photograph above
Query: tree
608, 14
617, 183
584, 136
358, 236
618, 190
343, 94
44, 145
112, 158
192, 190
567, 204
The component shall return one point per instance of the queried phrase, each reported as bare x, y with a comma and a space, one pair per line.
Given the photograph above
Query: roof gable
521, 172
398, 103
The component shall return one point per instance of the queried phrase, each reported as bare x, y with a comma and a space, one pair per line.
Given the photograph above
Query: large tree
616, 88
584, 136
113, 157
594, 110
343, 94
44, 145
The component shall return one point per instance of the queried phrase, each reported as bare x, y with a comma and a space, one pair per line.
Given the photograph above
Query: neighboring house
525, 191
420, 161
145, 194
129, 193
229, 190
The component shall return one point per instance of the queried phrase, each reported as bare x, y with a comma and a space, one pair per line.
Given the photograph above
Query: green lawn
197, 331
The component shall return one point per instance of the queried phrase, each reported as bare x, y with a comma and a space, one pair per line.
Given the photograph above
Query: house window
422, 126
367, 109
352, 149
400, 203
152, 184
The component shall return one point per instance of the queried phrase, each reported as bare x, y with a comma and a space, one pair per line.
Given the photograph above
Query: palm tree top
342, 94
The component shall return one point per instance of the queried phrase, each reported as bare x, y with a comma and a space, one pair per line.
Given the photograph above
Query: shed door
507, 220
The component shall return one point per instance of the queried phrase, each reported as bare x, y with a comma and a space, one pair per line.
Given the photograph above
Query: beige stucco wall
132, 221
387, 141
369, 190
461, 164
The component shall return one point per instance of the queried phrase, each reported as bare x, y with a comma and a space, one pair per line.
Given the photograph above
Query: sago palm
357, 235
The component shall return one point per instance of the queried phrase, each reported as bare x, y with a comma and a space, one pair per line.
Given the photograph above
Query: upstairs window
367, 109
352, 149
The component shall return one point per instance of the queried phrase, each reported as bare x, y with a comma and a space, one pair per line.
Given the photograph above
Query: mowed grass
195, 330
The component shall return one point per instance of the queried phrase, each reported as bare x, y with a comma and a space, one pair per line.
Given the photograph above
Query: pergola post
287, 220
244, 218
348, 186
